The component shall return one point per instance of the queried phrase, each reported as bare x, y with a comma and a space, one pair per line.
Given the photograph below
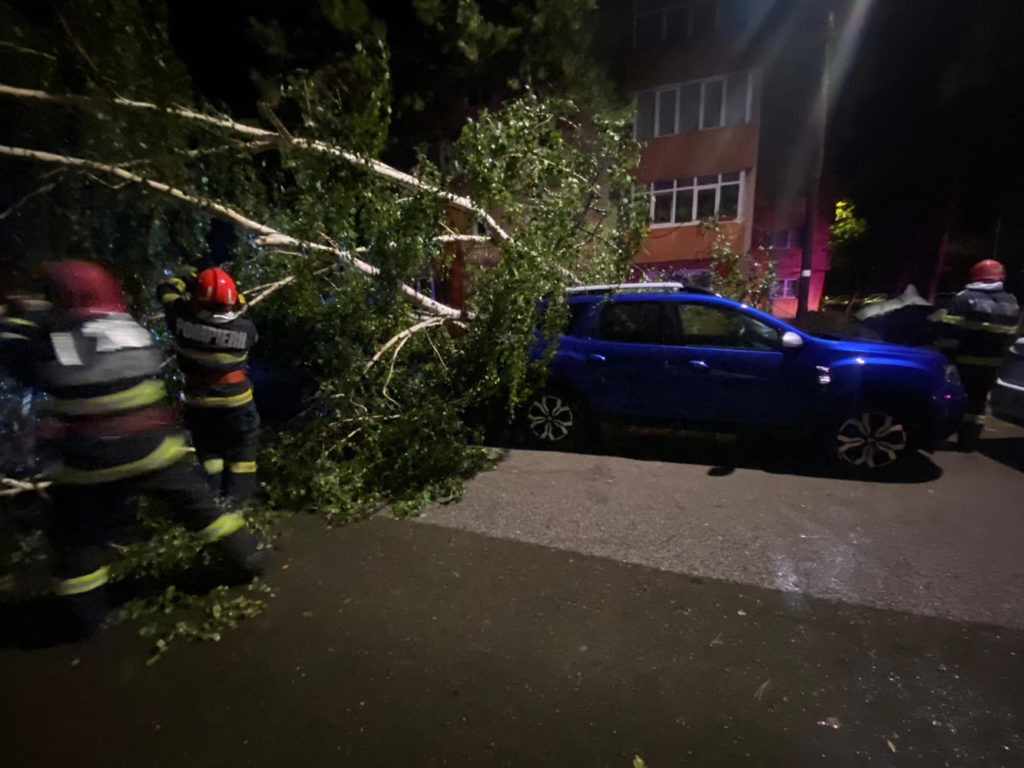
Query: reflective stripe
194, 379
978, 325
20, 321
81, 584
8, 335
213, 466
241, 467
981, 362
224, 358
145, 393
222, 527
172, 449
220, 402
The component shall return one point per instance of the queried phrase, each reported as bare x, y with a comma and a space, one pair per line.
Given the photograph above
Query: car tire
869, 440
554, 418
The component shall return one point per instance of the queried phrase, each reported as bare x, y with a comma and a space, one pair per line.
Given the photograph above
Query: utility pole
819, 123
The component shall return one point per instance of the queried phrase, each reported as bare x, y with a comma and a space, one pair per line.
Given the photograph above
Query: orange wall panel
685, 243
692, 154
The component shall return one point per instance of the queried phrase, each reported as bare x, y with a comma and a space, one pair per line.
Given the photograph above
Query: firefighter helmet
84, 289
987, 270
214, 289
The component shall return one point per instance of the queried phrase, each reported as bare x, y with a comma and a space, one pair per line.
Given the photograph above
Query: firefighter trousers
227, 442
977, 382
84, 520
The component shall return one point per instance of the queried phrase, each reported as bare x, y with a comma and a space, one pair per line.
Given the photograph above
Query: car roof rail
644, 287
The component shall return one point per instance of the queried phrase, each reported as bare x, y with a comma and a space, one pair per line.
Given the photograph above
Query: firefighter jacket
978, 326
111, 416
212, 350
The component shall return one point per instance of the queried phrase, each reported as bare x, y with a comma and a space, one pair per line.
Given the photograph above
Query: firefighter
975, 331
113, 431
212, 341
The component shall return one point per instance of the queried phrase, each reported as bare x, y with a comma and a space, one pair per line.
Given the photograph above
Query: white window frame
695, 188
793, 237
785, 288
701, 119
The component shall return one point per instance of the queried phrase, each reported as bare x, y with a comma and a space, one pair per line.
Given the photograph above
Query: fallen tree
112, 153
332, 243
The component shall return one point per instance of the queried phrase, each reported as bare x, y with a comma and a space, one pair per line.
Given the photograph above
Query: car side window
634, 322
707, 326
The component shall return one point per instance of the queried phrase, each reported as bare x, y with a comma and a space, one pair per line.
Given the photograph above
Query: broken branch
400, 338
375, 166
34, 193
272, 235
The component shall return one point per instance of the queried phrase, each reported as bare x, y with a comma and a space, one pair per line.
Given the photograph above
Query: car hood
838, 350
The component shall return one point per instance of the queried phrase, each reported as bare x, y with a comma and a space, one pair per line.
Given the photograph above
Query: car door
627, 359
732, 367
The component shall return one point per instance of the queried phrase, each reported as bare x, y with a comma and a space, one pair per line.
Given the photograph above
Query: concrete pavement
946, 542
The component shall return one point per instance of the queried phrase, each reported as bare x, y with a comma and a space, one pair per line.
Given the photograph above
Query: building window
733, 17
426, 285
785, 289
665, 23
784, 238
694, 106
691, 199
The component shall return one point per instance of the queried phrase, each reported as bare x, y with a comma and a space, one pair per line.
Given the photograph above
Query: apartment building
724, 94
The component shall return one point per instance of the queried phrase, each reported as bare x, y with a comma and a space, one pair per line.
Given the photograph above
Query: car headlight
952, 374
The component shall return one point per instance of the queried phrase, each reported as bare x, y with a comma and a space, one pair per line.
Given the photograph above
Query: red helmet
84, 289
214, 289
989, 269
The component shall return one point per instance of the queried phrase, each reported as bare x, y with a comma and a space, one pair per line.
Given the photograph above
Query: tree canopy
117, 153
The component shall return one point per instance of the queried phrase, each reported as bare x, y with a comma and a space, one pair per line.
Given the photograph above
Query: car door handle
700, 366
595, 359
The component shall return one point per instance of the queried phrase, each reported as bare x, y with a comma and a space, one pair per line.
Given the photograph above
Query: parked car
671, 355
1007, 399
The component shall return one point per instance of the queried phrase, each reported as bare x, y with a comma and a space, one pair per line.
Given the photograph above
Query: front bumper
948, 408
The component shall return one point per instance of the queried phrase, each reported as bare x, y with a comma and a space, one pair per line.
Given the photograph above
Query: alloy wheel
872, 440
550, 418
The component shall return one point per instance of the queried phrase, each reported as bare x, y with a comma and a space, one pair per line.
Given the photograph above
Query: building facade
725, 92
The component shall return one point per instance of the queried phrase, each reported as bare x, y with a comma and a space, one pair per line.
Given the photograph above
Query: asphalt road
675, 639
944, 539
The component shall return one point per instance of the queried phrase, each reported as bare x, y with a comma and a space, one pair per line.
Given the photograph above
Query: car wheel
870, 440
553, 419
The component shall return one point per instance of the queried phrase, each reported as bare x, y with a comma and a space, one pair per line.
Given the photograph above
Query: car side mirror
792, 340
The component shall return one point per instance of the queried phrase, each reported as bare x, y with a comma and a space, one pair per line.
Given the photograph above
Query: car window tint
634, 322
576, 313
706, 326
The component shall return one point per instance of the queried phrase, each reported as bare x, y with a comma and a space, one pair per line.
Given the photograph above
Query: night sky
926, 129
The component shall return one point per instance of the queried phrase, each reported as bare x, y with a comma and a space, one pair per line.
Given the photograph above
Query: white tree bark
268, 234
375, 166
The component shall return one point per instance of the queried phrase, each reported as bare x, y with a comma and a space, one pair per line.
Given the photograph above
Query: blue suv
671, 355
